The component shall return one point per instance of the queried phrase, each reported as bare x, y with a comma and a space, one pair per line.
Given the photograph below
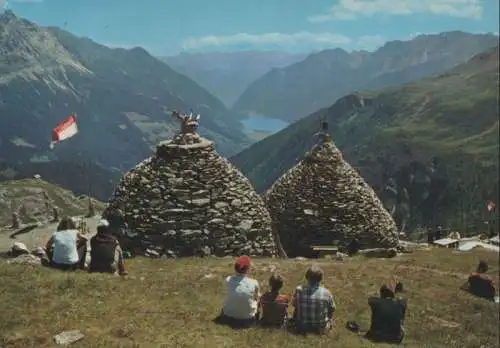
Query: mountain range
227, 74
122, 98
424, 146
429, 148
297, 90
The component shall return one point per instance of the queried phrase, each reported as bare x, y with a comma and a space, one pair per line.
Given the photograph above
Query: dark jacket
102, 253
387, 319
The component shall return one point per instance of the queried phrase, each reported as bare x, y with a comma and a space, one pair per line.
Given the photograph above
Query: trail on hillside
38, 236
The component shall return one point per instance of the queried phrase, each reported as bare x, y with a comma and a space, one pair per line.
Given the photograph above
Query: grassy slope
29, 192
38, 303
72, 175
453, 117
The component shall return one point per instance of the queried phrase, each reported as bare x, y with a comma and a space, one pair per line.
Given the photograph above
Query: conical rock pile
187, 200
324, 201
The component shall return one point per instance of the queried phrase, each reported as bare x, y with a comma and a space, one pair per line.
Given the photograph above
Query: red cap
243, 261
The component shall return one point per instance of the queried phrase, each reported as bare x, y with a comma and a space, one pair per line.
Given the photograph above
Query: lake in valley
262, 125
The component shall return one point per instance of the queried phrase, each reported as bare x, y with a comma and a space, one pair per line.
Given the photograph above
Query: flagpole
86, 173
89, 187
67, 129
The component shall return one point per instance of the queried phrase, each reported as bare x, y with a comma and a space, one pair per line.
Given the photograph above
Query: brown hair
276, 283
66, 223
314, 275
482, 267
386, 292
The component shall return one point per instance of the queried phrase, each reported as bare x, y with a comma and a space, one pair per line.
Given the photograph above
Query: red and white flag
490, 205
64, 130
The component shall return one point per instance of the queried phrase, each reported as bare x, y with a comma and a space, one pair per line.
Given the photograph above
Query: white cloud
350, 9
280, 39
119, 45
418, 33
370, 42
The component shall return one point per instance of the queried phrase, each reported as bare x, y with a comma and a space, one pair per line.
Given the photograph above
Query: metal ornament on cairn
189, 125
323, 133
324, 140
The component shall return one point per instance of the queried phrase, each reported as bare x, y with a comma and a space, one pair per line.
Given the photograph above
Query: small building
447, 243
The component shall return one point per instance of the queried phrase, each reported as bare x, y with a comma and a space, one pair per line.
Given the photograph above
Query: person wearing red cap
242, 296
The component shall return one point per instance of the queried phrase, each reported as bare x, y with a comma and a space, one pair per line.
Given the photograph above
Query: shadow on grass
287, 327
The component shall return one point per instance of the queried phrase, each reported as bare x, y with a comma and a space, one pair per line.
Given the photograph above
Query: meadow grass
171, 303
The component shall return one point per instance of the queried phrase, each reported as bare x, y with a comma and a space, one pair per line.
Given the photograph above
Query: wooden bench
323, 250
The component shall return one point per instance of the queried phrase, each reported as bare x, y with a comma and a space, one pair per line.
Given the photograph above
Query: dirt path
38, 236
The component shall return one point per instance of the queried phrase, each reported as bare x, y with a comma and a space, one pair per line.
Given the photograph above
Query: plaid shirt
314, 306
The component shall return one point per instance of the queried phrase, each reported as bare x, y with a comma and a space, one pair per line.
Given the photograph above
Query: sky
168, 27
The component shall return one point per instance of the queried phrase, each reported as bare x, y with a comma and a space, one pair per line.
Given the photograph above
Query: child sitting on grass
273, 306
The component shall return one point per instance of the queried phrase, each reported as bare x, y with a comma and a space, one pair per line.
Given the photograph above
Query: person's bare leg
82, 254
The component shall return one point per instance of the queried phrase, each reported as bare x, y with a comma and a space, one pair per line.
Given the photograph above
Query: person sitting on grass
273, 306
480, 284
242, 295
67, 247
106, 255
314, 305
388, 313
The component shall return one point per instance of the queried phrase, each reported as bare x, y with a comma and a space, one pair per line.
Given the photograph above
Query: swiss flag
490, 205
64, 130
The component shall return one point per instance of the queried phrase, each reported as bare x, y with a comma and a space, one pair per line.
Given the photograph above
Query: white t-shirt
240, 300
64, 244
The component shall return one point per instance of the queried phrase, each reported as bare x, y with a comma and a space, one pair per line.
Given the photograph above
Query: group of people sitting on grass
314, 305
244, 305
67, 249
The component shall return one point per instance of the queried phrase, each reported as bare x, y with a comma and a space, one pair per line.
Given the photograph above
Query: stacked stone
324, 201
187, 200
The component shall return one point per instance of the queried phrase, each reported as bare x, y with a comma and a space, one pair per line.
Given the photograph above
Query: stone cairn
16, 221
186, 200
324, 201
55, 214
90, 208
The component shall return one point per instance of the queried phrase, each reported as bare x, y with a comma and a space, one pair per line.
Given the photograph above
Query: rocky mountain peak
30, 52
121, 98
7, 16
